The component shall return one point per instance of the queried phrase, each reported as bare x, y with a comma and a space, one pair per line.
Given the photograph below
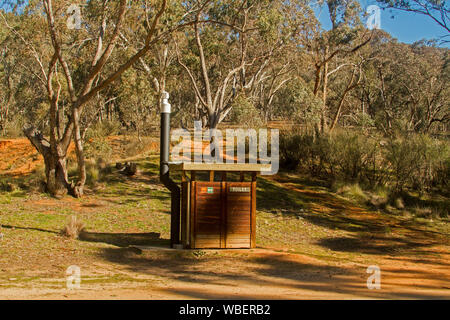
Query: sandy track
259, 274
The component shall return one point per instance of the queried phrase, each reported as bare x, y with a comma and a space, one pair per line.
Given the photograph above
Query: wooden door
208, 215
238, 215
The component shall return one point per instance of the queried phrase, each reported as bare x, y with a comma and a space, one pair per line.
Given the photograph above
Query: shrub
304, 151
7, 186
245, 113
291, 150
418, 161
352, 191
97, 147
344, 156
95, 171
73, 228
103, 129
441, 176
92, 174
351, 156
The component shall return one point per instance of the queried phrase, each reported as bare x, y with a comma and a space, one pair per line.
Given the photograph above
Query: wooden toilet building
218, 214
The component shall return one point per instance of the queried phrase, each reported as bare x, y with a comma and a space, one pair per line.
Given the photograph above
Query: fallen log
127, 168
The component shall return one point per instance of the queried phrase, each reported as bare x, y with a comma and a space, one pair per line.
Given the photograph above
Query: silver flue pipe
164, 172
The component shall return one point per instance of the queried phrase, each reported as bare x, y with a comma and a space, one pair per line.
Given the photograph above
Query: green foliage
96, 144
304, 151
344, 155
97, 147
296, 101
268, 23
96, 171
92, 174
351, 191
245, 113
417, 162
350, 155
364, 120
292, 147
103, 129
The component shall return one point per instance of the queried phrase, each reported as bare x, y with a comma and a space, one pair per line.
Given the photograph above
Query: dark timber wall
218, 214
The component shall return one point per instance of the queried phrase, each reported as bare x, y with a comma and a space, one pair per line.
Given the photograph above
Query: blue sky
405, 26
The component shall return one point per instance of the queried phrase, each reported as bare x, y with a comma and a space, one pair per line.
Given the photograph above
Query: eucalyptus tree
407, 94
234, 54
7, 79
72, 49
330, 50
285, 28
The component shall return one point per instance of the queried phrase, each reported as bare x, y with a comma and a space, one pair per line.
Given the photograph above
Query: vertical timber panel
208, 215
238, 217
253, 213
187, 230
223, 218
184, 211
192, 216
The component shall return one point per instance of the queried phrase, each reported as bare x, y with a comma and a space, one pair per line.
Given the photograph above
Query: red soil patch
19, 157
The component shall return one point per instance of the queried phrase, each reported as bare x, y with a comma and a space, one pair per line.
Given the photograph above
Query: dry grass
73, 228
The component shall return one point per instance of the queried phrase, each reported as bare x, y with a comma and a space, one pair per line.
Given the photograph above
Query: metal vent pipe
164, 173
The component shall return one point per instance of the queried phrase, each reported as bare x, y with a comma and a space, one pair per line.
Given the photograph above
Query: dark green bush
351, 156
291, 150
418, 161
304, 151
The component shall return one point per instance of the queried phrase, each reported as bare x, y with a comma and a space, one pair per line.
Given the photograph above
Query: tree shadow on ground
214, 275
28, 228
374, 245
116, 239
440, 204
125, 239
280, 194
123, 190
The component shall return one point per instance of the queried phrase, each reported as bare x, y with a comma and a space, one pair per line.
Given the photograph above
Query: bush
344, 156
417, 161
245, 113
291, 150
352, 157
92, 174
96, 171
442, 178
73, 228
103, 129
352, 191
304, 151
97, 147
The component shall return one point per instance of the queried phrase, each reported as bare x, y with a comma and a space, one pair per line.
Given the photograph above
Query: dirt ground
312, 244
255, 274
